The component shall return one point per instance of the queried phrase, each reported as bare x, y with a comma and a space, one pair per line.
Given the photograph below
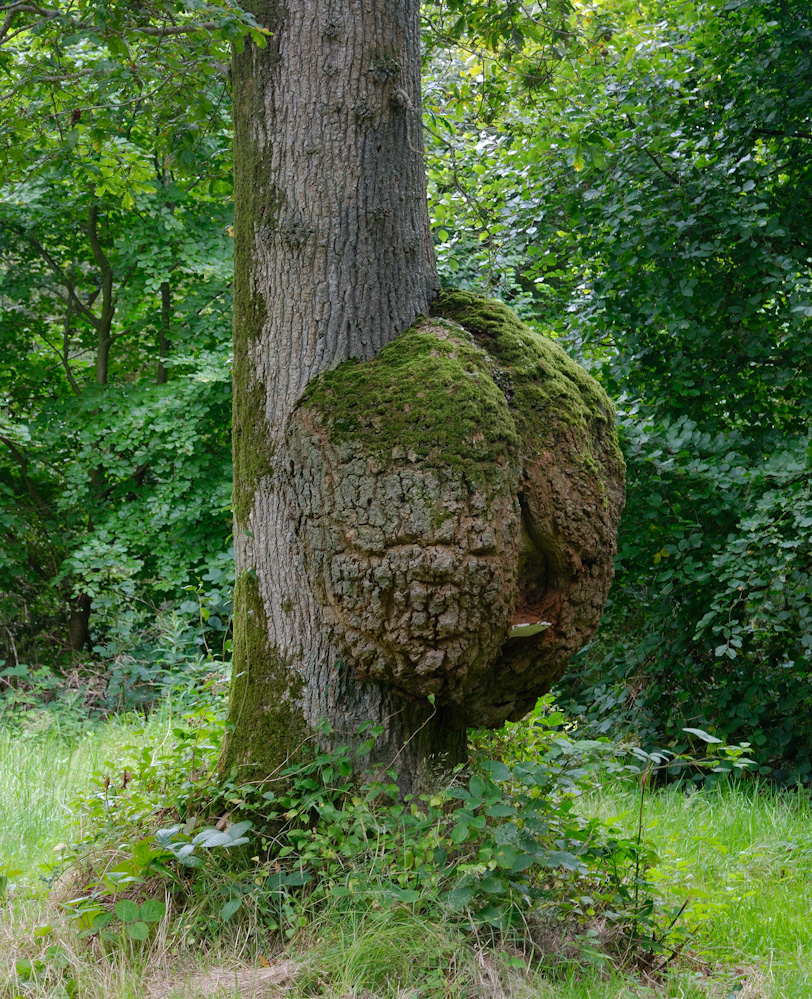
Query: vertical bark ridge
333, 259
341, 245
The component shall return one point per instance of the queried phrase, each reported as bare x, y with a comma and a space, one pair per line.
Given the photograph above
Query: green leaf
211, 838
127, 910
402, 894
506, 857
497, 770
561, 858
137, 931
458, 898
101, 920
500, 811
233, 905
459, 833
704, 736
238, 829
296, 879
492, 885
152, 911
191, 861
522, 862
493, 916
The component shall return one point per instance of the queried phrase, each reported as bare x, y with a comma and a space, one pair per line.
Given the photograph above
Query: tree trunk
79, 623
163, 336
333, 259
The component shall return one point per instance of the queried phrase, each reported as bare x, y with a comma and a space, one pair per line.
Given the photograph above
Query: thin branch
12, 10
100, 256
22, 461
122, 104
162, 31
180, 29
56, 78
61, 353
65, 345
674, 178
108, 300
777, 134
63, 77
137, 476
78, 304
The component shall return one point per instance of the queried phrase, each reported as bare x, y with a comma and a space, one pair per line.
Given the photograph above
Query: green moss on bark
467, 390
547, 391
252, 448
257, 203
423, 396
266, 722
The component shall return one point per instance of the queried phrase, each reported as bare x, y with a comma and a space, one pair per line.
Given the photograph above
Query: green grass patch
42, 773
739, 854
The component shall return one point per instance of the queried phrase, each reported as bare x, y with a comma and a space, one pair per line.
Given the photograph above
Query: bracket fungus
458, 500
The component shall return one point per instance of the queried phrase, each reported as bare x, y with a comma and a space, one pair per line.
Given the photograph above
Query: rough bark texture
332, 260
452, 489
418, 502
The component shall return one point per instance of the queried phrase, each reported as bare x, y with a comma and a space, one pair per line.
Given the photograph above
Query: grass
740, 855
42, 772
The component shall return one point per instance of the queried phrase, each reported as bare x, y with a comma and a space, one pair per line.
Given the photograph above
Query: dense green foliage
702, 284
114, 317
368, 893
495, 856
634, 178
648, 197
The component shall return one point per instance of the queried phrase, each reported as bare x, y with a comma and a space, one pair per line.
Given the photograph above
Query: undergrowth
497, 873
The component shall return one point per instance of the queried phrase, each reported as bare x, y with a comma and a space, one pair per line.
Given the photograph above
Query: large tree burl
463, 484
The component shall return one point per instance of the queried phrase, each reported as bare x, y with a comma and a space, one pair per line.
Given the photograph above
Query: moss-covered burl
458, 501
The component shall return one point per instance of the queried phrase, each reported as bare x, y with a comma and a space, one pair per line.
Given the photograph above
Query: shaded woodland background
634, 179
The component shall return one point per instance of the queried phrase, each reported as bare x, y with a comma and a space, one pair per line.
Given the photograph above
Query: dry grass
221, 981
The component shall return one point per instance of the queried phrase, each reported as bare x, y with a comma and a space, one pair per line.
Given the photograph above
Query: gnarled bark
398, 517
469, 562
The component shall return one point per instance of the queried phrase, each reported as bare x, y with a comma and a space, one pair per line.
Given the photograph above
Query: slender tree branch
12, 10
151, 31
179, 29
777, 134
108, 308
137, 476
78, 304
61, 353
121, 104
163, 336
674, 178
22, 461
64, 354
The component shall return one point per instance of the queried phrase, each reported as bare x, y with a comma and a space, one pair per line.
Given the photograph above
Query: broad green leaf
704, 736
152, 911
137, 931
127, 910
230, 908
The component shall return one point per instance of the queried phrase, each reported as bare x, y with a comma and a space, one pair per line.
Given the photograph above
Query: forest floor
741, 858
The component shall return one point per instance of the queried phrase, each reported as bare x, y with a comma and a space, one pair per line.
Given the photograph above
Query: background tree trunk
333, 260
79, 622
